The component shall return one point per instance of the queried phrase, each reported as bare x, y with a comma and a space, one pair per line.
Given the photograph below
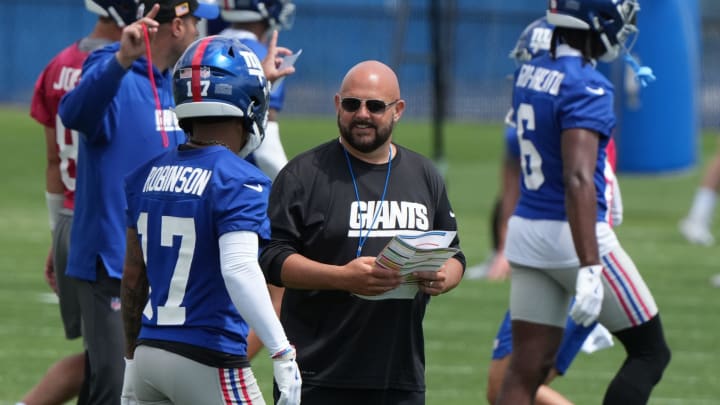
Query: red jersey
60, 76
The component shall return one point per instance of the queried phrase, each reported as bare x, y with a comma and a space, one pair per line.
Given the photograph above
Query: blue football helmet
280, 14
124, 12
220, 77
613, 20
533, 41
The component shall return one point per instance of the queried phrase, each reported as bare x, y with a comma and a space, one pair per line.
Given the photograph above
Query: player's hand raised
274, 59
132, 40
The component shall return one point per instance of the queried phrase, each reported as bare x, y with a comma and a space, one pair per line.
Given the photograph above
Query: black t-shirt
344, 341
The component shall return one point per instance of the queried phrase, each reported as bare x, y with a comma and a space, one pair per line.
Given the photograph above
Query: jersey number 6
530, 158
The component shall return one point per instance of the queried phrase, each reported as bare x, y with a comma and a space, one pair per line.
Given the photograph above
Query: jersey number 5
171, 313
530, 158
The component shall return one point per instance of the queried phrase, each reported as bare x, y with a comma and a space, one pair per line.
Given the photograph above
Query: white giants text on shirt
540, 79
166, 119
177, 179
392, 216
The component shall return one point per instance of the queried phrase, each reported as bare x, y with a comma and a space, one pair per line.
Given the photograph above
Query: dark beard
382, 134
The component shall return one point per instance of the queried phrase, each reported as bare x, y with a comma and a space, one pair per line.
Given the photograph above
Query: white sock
703, 206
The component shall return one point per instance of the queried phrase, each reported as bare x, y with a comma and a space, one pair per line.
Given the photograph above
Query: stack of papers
410, 253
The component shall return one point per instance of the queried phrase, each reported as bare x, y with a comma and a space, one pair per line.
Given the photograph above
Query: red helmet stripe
197, 59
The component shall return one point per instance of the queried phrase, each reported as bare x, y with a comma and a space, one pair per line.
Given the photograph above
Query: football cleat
696, 232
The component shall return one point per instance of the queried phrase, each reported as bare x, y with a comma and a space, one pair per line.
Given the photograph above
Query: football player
196, 217
533, 42
251, 22
559, 241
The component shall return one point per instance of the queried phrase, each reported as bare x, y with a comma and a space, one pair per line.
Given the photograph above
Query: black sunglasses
352, 104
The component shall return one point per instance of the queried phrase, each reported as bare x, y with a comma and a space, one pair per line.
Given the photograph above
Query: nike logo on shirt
598, 91
256, 187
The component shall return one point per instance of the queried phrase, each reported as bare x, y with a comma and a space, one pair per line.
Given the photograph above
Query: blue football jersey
181, 203
550, 96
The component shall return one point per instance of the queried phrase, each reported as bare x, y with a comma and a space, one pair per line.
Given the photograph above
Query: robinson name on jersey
177, 179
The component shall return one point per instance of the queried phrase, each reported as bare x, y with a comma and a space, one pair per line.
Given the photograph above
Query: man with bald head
332, 209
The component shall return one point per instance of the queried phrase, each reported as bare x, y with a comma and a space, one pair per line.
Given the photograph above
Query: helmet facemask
622, 40
612, 20
256, 133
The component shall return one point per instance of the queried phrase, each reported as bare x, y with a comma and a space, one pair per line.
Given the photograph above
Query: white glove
287, 376
588, 295
128, 389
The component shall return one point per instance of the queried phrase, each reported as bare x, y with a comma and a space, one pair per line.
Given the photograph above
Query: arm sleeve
270, 155
246, 286
54, 203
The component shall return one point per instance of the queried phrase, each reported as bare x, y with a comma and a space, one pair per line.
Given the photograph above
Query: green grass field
460, 326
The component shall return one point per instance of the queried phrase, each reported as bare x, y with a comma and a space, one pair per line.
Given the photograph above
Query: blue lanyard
362, 239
